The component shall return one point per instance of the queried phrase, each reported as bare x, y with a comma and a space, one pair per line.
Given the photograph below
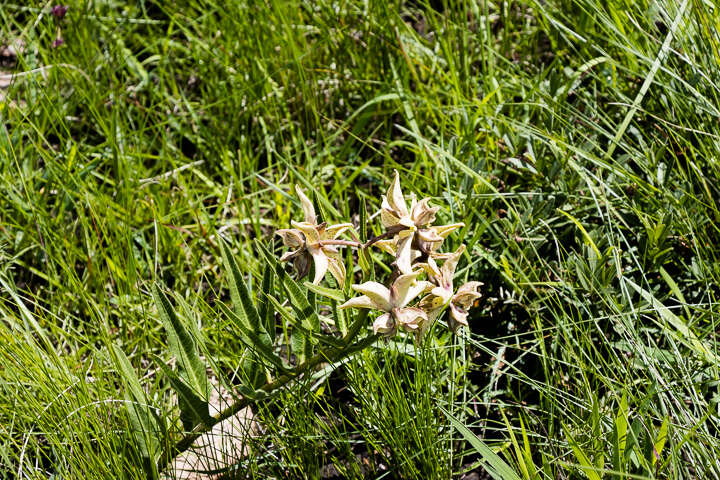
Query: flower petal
443, 293
430, 267
395, 197
405, 289
291, 237
445, 230
334, 231
388, 216
362, 301
422, 213
378, 293
337, 268
410, 318
387, 246
432, 305
290, 255
312, 236
385, 325
307, 206
429, 235
449, 266
403, 260
467, 294
301, 264
458, 317
321, 264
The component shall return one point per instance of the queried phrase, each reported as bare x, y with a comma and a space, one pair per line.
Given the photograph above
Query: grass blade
146, 426
495, 466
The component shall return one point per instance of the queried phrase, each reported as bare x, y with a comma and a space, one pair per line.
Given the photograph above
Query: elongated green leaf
146, 425
191, 368
333, 293
267, 256
527, 453
519, 454
660, 441
356, 326
242, 302
299, 301
194, 408
302, 346
254, 370
363, 255
266, 312
675, 289
493, 464
363, 220
319, 207
252, 341
620, 433
340, 317
586, 235
132, 383
300, 341
28, 316
315, 337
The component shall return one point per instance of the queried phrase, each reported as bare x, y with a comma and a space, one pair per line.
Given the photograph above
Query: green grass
578, 140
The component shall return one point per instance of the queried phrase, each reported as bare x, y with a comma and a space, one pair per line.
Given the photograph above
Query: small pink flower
58, 41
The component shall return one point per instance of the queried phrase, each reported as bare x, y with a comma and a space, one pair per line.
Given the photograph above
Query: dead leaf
222, 447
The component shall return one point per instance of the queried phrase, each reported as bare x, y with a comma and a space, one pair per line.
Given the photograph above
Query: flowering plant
284, 331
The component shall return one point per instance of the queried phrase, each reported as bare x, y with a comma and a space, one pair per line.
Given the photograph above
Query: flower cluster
412, 239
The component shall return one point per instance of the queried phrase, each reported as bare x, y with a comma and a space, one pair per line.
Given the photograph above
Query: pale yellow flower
415, 238
461, 303
307, 238
393, 302
395, 215
443, 293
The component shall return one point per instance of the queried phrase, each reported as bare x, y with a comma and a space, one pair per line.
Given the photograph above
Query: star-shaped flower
395, 216
414, 236
393, 302
394, 210
443, 276
461, 303
313, 241
443, 293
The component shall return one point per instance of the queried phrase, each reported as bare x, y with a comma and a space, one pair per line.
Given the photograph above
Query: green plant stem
451, 393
